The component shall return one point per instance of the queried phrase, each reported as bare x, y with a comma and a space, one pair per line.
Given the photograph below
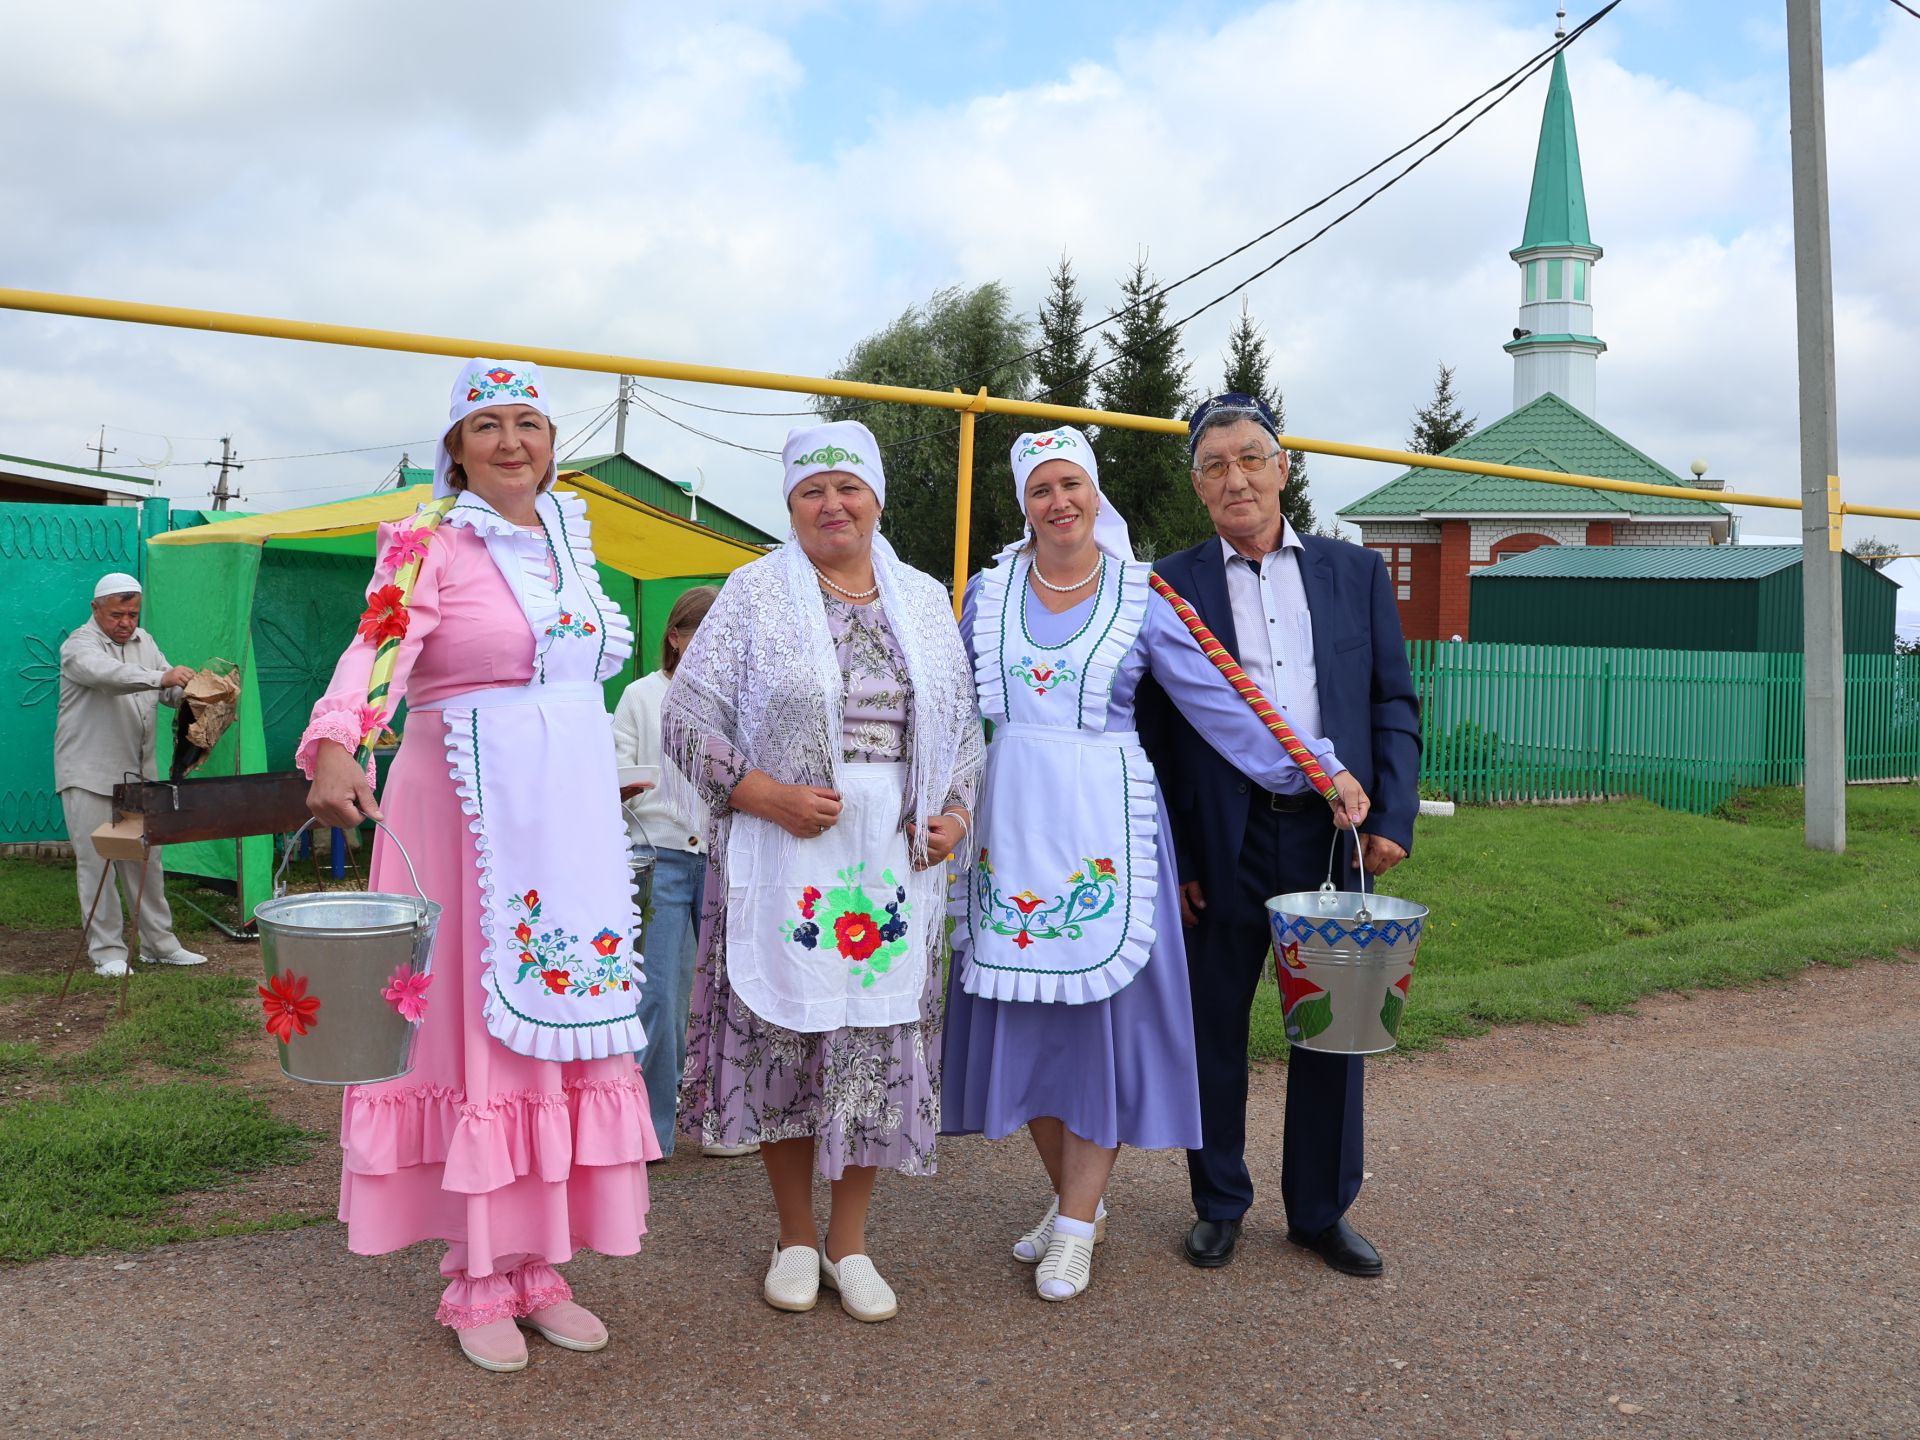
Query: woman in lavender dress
1068, 1008
824, 714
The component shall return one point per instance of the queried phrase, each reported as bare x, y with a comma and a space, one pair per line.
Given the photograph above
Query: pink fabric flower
406, 992
371, 719
407, 545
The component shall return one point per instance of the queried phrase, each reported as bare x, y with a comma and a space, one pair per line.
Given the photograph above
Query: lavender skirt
1117, 1072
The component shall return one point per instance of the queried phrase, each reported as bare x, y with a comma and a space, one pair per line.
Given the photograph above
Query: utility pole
1820, 513
620, 416
100, 451
226, 462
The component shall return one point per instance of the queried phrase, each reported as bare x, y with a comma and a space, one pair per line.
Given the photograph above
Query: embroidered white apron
830, 931
1060, 906
535, 769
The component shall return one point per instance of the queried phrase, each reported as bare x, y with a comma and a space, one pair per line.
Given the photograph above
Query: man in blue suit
1314, 622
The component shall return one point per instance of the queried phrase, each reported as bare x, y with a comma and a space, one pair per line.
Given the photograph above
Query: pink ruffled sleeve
342, 714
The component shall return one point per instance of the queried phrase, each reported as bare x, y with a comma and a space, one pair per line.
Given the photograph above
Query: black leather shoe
1342, 1247
1210, 1243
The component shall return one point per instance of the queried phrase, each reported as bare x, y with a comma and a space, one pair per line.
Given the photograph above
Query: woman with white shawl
1068, 1007
825, 715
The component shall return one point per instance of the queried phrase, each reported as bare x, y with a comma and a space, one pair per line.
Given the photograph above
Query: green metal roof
99, 477
1557, 208
1546, 433
1645, 562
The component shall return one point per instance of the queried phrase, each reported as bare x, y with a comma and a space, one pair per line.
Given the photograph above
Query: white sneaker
729, 1152
793, 1279
1067, 1268
178, 957
111, 969
863, 1294
1031, 1246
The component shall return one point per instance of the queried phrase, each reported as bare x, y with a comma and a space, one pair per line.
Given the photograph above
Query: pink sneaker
497, 1345
570, 1326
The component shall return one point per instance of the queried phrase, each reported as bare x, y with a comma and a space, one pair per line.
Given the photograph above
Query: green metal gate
50, 557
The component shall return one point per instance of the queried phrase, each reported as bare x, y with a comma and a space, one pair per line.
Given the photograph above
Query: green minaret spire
1557, 209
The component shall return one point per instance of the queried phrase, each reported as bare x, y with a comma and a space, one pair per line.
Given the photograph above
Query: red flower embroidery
523, 932
605, 943
385, 617
590, 629
290, 1011
1103, 867
556, 980
1043, 673
857, 935
809, 897
500, 377
1026, 902
1022, 940
565, 618
530, 899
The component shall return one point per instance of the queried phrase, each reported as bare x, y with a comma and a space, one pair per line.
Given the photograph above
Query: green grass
100, 1165
42, 895
92, 1157
1547, 914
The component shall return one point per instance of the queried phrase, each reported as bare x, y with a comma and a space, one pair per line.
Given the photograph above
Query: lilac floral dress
871, 1096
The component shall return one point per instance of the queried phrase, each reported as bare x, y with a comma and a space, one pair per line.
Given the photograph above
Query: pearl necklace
854, 595
1092, 575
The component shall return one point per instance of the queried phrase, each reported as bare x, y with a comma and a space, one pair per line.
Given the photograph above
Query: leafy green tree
1442, 424
1875, 551
1248, 365
957, 332
1060, 370
1146, 474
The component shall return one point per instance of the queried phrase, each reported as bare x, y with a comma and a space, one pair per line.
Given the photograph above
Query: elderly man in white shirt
113, 679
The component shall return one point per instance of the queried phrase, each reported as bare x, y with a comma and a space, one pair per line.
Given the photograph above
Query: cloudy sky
762, 184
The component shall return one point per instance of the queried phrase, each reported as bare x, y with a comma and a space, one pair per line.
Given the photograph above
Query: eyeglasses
1252, 463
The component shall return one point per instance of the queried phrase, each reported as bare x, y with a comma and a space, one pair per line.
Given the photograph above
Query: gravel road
1700, 1220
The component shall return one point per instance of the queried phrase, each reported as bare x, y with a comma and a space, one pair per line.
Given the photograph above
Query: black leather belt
1292, 804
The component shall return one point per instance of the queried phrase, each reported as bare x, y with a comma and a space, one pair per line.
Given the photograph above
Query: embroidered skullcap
1244, 407
118, 583
481, 385
843, 445
1030, 452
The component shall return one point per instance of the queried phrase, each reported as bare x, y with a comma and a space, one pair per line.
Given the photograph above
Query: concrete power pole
226, 462
620, 416
1820, 516
102, 450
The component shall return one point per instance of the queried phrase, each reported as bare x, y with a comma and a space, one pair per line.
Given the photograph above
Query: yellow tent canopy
279, 595
629, 535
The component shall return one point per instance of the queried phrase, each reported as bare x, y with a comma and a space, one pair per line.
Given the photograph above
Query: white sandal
863, 1294
1030, 1247
1068, 1261
793, 1279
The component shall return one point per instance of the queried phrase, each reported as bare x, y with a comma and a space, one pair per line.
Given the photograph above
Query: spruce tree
1442, 424
1060, 369
1248, 365
1146, 474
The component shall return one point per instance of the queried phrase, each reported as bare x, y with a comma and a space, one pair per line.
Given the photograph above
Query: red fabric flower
290, 1011
857, 935
557, 980
606, 942
385, 617
523, 932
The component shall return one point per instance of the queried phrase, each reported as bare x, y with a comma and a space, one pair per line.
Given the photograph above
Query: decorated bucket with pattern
1344, 963
348, 976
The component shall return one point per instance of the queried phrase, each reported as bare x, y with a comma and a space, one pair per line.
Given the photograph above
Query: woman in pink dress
522, 1131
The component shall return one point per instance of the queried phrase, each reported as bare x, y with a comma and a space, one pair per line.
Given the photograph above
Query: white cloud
631, 181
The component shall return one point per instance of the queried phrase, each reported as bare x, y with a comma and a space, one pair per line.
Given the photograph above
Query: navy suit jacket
1368, 707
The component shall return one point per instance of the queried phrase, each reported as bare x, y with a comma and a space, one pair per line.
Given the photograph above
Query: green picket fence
1685, 728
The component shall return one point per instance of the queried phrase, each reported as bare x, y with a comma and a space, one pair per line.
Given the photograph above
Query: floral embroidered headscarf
480, 385
1030, 452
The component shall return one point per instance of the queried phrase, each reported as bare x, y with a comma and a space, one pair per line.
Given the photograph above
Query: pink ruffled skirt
509, 1159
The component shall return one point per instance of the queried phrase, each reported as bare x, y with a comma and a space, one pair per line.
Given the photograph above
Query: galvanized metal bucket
1344, 960
347, 978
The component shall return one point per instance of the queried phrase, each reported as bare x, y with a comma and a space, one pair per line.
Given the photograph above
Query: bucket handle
1363, 915
279, 876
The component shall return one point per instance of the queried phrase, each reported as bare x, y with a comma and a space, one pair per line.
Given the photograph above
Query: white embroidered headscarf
761, 675
481, 385
1030, 452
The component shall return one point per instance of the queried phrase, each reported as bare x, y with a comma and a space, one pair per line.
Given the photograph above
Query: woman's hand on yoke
340, 795
803, 811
